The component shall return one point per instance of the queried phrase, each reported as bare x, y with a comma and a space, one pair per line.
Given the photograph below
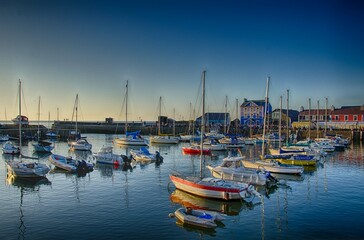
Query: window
346, 118
336, 117
355, 117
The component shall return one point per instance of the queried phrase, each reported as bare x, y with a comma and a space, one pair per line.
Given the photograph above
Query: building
219, 119
346, 117
252, 112
292, 117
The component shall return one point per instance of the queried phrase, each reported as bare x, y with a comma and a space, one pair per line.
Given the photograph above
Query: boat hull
196, 218
311, 162
130, 142
195, 151
215, 188
164, 140
205, 191
30, 170
272, 168
69, 164
238, 176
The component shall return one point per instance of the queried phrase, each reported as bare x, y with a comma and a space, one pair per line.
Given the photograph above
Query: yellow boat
311, 162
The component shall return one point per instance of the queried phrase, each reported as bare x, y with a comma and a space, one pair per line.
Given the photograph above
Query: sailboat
23, 169
131, 138
42, 145
79, 143
212, 187
191, 136
161, 138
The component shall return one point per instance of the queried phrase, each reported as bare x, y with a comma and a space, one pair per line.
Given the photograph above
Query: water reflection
81, 155
201, 231
229, 208
26, 186
107, 170
284, 178
41, 156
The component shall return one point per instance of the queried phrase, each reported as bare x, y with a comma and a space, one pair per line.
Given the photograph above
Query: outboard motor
126, 159
158, 157
127, 162
82, 166
270, 177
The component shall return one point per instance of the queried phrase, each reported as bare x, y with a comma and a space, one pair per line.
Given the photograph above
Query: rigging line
25, 104
121, 112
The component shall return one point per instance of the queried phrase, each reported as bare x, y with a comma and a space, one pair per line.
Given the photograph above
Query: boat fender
171, 215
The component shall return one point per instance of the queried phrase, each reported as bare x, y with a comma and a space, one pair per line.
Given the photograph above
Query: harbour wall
63, 129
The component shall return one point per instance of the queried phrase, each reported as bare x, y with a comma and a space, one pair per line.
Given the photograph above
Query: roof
256, 102
343, 110
349, 110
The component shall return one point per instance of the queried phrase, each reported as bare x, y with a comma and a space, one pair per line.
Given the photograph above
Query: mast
287, 134
76, 107
280, 122
309, 118
264, 115
326, 103
174, 122
202, 120
189, 120
317, 119
237, 117
225, 115
250, 122
126, 107
160, 113
19, 119
38, 118
193, 125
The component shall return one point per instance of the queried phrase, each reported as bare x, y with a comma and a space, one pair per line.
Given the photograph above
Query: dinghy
69, 164
200, 218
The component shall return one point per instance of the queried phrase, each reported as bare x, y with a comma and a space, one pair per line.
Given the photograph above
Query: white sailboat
131, 138
212, 187
42, 145
79, 143
25, 169
160, 138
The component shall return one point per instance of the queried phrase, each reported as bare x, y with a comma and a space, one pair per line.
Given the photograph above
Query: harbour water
111, 203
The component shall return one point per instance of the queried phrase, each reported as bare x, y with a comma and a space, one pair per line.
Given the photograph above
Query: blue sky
61, 48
